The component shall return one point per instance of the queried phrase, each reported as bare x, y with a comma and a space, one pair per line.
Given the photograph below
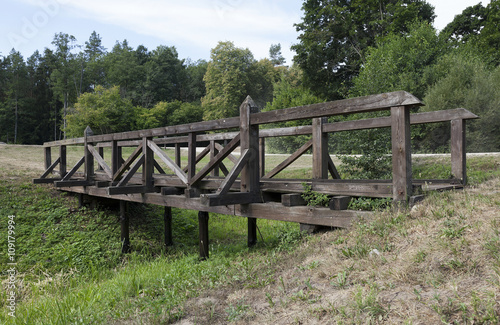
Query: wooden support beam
199, 157
51, 168
213, 152
131, 189
89, 158
262, 156
169, 162
230, 199
118, 174
74, 169
115, 157
171, 191
401, 154
203, 234
458, 151
62, 163
139, 162
45, 180
191, 166
159, 168
100, 150
332, 169
287, 162
47, 157
233, 174
148, 166
252, 231
292, 200
124, 227
72, 183
177, 151
231, 157
340, 202
320, 149
215, 161
100, 161
167, 221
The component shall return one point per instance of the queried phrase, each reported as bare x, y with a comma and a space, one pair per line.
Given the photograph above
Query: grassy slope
438, 262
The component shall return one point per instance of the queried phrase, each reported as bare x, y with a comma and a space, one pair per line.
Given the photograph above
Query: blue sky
193, 27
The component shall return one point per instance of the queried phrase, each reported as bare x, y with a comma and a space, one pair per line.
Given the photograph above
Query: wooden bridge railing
247, 189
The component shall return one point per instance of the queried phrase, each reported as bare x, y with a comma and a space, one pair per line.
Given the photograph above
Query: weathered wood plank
100, 161
216, 160
45, 180
292, 200
401, 154
191, 165
51, 168
231, 157
332, 169
148, 166
74, 169
233, 174
167, 221
213, 152
230, 198
199, 157
287, 162
320, 149
131, 189
137, 152
203, 234
159, 168
72, 183
62, 163
135, 167
47, 157
458, 150
169, 162
340, 202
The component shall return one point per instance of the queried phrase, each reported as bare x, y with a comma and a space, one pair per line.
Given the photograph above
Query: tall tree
194, 86
275, 55
335, 34
94, 52
63, 76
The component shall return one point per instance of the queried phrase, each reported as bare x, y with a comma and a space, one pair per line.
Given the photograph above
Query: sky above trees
193, 27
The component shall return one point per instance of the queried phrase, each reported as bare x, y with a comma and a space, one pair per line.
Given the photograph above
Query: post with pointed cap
250, 175
89, 158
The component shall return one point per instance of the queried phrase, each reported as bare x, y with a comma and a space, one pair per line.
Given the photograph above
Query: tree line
344, 49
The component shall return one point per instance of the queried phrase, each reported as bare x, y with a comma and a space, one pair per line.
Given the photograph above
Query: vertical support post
213, 152
401, 154
62, 164
124, 222
250, 175
458, 150
191, 155
48, 157
148, 168
89, 158
203, 231
101, 153
320, 149
178, 160
262, 156
167, 218
115, 157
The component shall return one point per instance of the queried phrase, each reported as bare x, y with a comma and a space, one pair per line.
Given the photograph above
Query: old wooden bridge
149, 175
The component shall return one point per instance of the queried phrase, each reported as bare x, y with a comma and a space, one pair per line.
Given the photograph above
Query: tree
275, 55
399, 61
194, 86
104, 110
63, 75
335, 34
467, 24
94, 52
227, 79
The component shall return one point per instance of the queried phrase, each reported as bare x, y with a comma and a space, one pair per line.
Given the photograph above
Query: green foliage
462, 79
334, 36
314, 198
167, 113
369, 204
104, 110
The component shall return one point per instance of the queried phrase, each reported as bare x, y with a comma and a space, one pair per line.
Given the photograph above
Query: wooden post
203, 231
62, 163
191, 155
124, 222
250, 175
458, 150
115, 156
262, 156
320, 149
213, 152
48, 157
89, 158
101, 153
148, 167
167, 218
178, 160
401, 154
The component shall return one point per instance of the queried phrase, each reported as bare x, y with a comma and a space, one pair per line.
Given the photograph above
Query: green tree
335, 34
194, 87
94, 53
275, 55
104, 110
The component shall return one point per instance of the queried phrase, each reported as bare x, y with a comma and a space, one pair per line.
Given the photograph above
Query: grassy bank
439, 262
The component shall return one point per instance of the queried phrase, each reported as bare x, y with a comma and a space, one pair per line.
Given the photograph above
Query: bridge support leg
252, 232
167, 218
124, 220
203, 228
